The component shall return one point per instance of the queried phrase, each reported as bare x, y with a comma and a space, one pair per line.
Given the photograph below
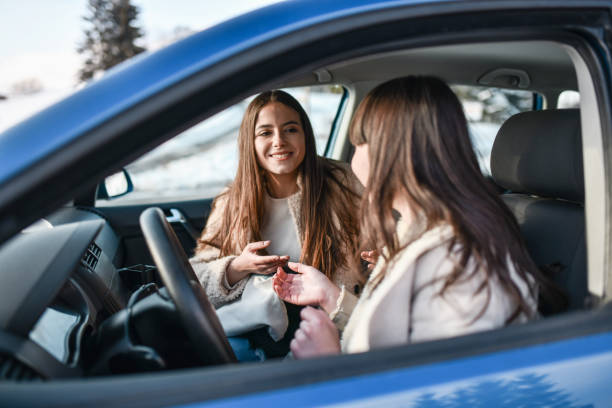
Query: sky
40, 37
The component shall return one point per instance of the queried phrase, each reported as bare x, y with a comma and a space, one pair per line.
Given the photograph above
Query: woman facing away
286, 203
454, 263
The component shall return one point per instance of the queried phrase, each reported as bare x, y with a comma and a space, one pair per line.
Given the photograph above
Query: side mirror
115, 185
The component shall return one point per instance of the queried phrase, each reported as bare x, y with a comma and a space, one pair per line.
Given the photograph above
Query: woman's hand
371, 257
249, 262
316, 336
308, 287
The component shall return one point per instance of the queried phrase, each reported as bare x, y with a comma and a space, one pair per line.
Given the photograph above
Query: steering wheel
196, 312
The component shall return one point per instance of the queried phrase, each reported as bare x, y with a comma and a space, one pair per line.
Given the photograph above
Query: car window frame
552, 329
126, 199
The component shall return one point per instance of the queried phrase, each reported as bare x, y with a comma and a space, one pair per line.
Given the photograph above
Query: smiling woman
286, 203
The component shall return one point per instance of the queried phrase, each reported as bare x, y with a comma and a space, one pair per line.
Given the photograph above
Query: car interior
101, 299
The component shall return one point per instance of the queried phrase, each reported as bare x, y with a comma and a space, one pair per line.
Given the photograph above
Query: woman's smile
281, 155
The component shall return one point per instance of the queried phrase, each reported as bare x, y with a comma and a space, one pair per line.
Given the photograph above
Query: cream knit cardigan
211, 269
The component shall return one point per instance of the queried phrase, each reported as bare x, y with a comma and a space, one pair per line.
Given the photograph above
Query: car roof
546, 64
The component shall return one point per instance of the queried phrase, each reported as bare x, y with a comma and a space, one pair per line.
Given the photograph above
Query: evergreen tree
111, 36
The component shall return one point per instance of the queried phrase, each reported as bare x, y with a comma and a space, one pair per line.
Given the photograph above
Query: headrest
540, 153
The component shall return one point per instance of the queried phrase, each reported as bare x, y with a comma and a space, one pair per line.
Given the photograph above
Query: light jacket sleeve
344, 307
211, 269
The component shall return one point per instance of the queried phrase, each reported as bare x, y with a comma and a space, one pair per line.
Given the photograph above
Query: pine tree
111, 37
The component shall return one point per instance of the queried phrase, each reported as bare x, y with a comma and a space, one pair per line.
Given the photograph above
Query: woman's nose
277, 138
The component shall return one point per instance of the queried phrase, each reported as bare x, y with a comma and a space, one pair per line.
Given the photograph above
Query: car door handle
177, 217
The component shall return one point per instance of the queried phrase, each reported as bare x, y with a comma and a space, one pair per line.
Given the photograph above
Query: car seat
537, 158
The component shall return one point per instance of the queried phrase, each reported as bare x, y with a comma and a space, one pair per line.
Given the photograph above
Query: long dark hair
329, 204
419, 145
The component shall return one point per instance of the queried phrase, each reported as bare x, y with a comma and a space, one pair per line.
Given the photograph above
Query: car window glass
202, 160
486, 109
568, 100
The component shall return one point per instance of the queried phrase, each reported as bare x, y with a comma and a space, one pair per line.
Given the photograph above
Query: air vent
14, 370
91, 256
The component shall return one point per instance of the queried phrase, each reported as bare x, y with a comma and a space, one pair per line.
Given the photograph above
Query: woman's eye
292, 130
266, 133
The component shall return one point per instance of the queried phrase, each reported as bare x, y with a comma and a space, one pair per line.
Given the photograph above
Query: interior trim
594, 171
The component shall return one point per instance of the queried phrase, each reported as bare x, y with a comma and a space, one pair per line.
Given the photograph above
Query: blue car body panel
570, 373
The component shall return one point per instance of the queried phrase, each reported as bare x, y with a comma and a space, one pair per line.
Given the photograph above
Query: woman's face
280, 145
361, 163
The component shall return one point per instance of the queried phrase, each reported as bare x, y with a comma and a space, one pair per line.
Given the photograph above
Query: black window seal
335, 128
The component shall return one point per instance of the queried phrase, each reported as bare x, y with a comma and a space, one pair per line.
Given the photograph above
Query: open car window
201, 161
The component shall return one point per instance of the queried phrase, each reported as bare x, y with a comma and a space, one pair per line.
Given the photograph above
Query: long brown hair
329, 204
419, 145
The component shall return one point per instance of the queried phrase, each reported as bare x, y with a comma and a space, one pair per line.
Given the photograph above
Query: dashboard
58, 283
53, 331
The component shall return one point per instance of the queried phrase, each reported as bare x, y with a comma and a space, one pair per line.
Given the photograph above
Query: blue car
94, 312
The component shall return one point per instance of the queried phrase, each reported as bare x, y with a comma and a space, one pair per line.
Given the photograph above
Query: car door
561, 359
187, 218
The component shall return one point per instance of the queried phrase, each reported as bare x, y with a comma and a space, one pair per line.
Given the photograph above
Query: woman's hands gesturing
317, 335
371, 257
249, 262
308, 286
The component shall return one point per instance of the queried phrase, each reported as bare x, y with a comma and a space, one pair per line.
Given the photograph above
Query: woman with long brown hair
286, 203
454, 262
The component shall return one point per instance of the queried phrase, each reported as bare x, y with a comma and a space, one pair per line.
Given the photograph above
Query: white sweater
280, 229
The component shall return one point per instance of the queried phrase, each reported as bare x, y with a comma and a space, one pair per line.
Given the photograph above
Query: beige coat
405, 306
210, 268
